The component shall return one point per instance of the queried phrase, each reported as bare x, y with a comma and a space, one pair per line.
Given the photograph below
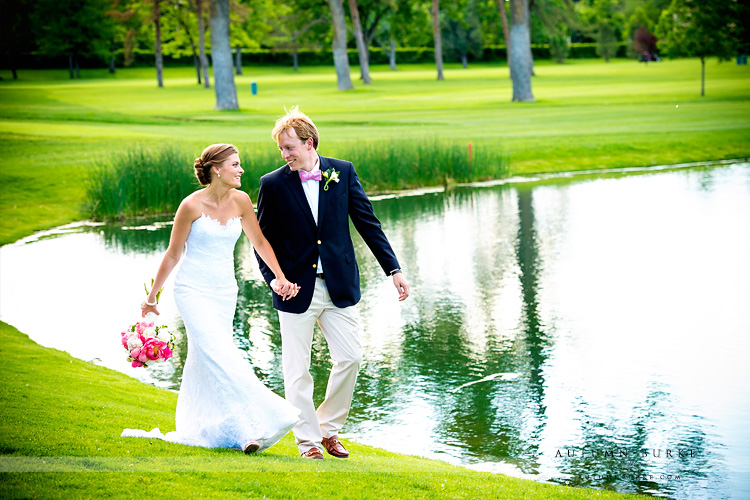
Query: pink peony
136, 363
157, 349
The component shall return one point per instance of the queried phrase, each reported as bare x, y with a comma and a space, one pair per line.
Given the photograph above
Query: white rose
134, 342
163, 335
149, 332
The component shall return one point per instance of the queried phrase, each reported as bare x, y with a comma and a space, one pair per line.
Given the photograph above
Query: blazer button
320, 242
315, 265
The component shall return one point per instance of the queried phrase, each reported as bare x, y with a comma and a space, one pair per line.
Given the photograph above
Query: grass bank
61, 420
589, 114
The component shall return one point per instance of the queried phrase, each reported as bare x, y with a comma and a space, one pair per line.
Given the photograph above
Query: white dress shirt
312, 193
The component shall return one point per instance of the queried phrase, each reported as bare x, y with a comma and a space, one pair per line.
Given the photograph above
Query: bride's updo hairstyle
215, 154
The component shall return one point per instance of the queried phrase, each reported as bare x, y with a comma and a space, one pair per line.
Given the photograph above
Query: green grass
588, 114
154, 181
65, 415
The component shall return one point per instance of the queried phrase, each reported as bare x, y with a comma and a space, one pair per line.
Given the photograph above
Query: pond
590, 330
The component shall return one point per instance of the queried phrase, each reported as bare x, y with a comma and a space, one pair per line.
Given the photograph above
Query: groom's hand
285, 288
399, 281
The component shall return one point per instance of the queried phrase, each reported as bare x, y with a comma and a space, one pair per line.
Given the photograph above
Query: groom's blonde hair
300, 122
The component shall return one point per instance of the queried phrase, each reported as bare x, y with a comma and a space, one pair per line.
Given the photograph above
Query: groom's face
299, 155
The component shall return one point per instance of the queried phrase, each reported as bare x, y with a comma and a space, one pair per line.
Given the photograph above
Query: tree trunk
196, 59
295, 51
221, 55
78, 68
703, 76
70, 67
392, 55
238, 61
465, 60
111, 56
340, 57
197, 63
364, 64
438, 41
202, 42
520, 45
159, 59
506, 33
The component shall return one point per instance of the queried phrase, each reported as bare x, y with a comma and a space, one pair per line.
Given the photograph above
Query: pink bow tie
306, 176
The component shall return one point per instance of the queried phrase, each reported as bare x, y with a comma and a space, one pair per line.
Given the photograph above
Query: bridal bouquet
147, 343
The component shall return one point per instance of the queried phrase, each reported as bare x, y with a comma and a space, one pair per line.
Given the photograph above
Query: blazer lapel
295, 186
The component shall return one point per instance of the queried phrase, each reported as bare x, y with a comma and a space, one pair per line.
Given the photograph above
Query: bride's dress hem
221, 403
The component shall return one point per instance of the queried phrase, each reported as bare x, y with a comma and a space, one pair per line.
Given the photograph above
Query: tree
87, 33
706, 28
520, 51
299, 24
198, 7
462, 31
608, 20
362, 48
16, 36
340, 55
390, 23
251, 25
436, 34
556, 19
128, 18
221, 55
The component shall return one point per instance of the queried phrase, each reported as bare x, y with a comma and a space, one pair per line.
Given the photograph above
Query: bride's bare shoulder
191, 206
242, 199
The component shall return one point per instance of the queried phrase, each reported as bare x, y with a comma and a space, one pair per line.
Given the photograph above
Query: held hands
401, 285
285, 288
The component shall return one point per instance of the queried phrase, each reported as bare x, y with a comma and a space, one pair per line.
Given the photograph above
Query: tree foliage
706, 28
86, 33
462, 31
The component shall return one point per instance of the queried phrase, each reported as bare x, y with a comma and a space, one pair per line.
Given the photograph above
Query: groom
304, 209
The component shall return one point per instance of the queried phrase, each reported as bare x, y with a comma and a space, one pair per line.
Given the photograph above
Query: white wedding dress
221, 404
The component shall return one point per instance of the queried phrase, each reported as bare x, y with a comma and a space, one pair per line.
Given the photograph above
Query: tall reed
148, 181
396, 164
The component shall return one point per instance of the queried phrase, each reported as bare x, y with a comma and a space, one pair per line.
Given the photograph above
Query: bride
221, 402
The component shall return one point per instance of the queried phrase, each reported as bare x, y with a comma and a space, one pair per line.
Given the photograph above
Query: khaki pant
340, 328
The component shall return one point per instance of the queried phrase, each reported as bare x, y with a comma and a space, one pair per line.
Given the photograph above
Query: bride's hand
145, 309
285, 288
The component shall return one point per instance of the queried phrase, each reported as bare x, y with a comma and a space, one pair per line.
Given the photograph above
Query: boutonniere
330, 175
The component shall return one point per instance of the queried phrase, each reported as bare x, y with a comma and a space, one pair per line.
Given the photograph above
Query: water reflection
617, 303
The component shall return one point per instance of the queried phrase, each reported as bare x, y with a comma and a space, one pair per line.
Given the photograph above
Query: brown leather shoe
313, 453
334, 447
251, 447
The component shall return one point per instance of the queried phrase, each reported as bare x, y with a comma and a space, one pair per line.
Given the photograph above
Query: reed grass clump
139, 182
146, 181
425, 161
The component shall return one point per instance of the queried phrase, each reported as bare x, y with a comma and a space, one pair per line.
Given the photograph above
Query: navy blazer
286, 221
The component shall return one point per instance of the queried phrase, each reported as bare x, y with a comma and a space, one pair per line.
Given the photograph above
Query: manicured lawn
68, 414
588, 114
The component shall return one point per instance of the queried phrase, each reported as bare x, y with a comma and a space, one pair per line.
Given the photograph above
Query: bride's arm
180, 230
253, 232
